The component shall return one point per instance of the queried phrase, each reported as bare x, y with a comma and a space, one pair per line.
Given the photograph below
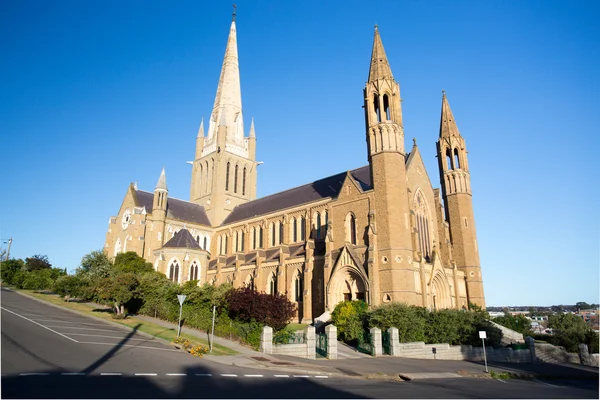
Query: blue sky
96, 95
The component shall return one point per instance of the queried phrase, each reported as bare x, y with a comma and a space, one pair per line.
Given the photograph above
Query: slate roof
176, 209
297, 250
183, 239
317, 190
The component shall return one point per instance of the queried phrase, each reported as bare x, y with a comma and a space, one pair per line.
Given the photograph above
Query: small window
456, 162
244, 182
174, 271
227, 177
448, 159
235, 179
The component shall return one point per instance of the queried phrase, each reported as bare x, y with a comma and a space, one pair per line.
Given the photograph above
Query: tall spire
162, 181
252, 133
380, 67
448, 125
201, 129
228, 99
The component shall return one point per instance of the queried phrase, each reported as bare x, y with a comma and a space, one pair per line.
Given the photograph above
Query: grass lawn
132, 322
296, 327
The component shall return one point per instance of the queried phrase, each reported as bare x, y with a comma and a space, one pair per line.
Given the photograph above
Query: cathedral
380, 233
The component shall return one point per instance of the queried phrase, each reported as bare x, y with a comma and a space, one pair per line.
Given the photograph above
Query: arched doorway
347, 283
440, 292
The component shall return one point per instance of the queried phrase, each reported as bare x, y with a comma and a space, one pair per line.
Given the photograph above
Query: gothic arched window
273, 283
456, 162
386, 107
298, 286
350, 228
318, 226
227, 176
423, 225
449, 159
205, 243
244, 182
235, 179
294, 230
260, 236
194, 269
174, 271
302, 229
376, 107
272, 234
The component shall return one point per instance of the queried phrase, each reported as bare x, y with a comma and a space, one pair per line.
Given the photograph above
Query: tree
37, 262
118, 289
569, 330
131, 262
70, 286
518, 323
9, 268
582, 305
95, 265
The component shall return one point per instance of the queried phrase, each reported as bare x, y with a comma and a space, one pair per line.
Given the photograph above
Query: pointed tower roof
201, 129
162, 181
183, 240
380, 67
448, 125
229, 93
252, 133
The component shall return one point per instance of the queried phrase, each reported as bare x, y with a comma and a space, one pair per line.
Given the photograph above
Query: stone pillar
394, 342
584, 354
377, 349
531, 344
331, 331
311, 342
266, 340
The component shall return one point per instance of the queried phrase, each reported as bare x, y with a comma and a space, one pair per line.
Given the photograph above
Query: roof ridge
172, 198
300, 186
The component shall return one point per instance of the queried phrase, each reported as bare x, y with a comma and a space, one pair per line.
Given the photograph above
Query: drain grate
261, 359
281, 363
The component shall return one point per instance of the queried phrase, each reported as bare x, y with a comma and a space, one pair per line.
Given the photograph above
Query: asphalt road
52, 353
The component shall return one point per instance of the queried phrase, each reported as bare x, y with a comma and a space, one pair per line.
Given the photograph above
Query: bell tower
456, 193
224, 167
385, 144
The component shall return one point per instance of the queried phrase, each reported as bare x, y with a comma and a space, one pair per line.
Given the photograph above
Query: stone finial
162, 181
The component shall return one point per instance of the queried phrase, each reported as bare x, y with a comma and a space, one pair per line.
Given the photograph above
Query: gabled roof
176, 209
183, 239
317, 190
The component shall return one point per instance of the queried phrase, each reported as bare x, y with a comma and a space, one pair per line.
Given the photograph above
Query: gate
321, 343
386, 343
364, 343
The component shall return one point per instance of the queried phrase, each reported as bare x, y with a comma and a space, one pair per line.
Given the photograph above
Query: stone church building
380, 233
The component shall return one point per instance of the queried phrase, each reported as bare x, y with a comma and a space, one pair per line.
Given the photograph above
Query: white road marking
34, 374
146, 374
73, 373
132, 345
203, 374
43, 326
70, 322
301, 376
85, 329
111, 373
253, 376
321, 376
281, 376
229, 375
176, 374
498, 379
110, 337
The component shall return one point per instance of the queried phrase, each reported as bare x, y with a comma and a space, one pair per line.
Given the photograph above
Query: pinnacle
448, 125
380, 67
162, 181
201, 129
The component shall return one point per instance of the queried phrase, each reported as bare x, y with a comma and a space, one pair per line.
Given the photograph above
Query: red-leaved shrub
248, 305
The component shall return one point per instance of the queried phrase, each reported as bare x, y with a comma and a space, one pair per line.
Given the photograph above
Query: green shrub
348, 317
410, 321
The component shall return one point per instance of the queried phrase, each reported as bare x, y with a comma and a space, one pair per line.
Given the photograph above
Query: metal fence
364, 343
386, 342
289, 338
321, 343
